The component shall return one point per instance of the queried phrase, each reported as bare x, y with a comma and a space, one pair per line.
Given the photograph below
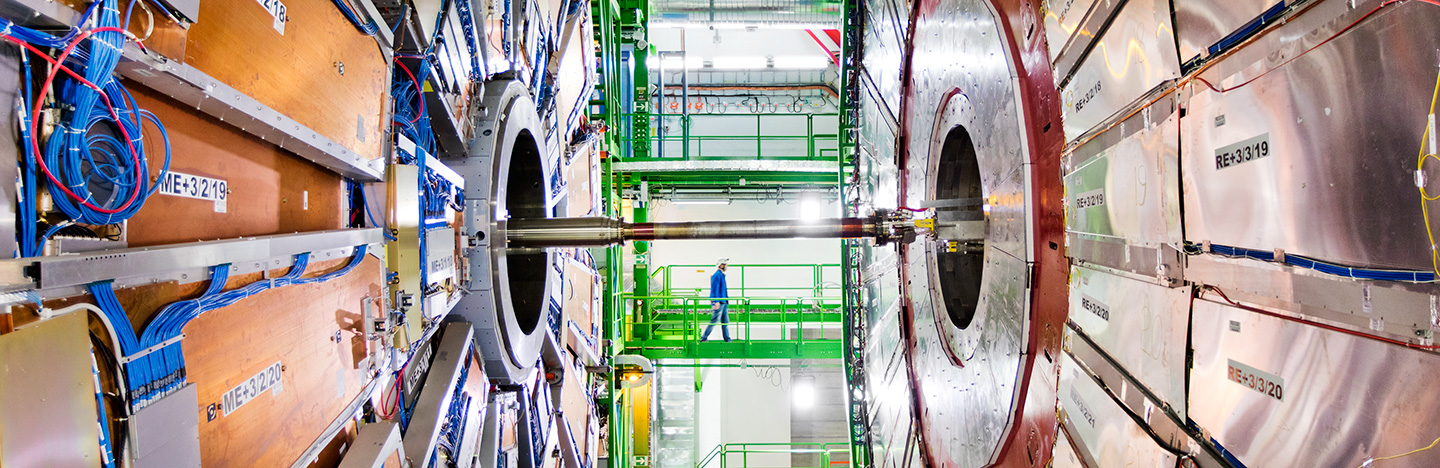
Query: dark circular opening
525, 198
959, 272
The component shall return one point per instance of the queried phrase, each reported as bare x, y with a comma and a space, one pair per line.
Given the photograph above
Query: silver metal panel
1201, 23
1141, 325
47, 396
431, 408
1400, 311
1089, 26
1320, 190
961, 77
1063, 20
1102, 430
506, 112
1128, 191
9, 201
166, 433
1345, 398
375, 443
1135, 54
191, 86
76, 270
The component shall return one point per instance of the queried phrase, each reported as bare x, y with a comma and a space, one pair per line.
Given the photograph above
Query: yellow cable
1420, 166
1392, 457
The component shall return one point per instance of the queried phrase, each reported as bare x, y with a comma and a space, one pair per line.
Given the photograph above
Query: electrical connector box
167, 433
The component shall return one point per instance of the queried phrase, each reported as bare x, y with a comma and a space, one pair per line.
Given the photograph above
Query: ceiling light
802, 62
740, 63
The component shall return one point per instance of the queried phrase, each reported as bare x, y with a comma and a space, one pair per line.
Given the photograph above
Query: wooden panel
298, 73
580, 188
267, 184
226, 346
296, 326
580, 300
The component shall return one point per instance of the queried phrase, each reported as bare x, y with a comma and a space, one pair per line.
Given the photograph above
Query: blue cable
1301, 261
366, 204
157, 374
75, 153
367, 27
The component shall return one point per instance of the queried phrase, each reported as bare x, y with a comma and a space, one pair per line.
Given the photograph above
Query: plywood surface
268, 185
296, 326
580, 299
579, 183
297, 73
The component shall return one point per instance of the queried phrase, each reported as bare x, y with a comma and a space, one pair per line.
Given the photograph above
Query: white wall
736, 42
740, 405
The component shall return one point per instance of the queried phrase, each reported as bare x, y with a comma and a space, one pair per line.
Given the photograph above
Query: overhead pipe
596, 232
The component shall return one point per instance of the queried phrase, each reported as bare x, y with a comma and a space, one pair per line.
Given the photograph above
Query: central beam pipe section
591, 232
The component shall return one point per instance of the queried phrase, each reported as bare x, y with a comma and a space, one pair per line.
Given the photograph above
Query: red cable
57, 64
419, 93
1316, 324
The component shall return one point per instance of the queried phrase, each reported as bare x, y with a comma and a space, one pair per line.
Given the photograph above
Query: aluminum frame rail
182, 262
189, 85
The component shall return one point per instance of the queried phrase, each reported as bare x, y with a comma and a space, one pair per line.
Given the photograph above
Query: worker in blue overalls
719, 308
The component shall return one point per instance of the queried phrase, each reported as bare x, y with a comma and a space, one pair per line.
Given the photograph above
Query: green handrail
683, 327
818, 285
826, 450
687, 137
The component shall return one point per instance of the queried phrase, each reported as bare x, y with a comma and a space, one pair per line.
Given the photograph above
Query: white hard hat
722, 261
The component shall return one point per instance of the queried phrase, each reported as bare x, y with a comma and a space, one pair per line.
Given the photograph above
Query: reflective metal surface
1063, 21
1135, 54
1399, 311
47, 396
146, 262
1199, 24
452, 356
1126, 187
1345, 398
1101, 429
967, 380
1140, 325
1319, 189
504, 176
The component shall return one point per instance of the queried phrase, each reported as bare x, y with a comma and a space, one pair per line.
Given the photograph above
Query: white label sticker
251, 388
1267, 384
276, 10
193, 186
1090, 199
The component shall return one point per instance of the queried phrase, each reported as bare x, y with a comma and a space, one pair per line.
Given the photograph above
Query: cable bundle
455, 416
410, 114
440, 194
367, 27
94, 159
1317, 265
154, 375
